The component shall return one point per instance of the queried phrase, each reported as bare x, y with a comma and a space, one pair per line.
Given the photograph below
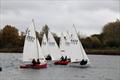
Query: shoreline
11, 50
103, 51
88, 51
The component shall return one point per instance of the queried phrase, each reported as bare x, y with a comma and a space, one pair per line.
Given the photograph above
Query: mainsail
65, 45
32, 47
78, 53
44, 46
53, 48
41, 55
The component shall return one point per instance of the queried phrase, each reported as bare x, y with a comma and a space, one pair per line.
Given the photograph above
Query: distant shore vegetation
107, 42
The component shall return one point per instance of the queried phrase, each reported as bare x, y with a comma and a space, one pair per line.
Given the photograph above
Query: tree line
108, 38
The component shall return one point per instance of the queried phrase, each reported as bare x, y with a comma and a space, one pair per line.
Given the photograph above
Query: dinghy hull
61, 62
37, 66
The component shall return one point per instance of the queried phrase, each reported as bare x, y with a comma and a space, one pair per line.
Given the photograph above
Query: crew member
34, 62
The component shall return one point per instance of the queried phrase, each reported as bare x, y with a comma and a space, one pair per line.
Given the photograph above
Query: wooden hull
37, 66
61, 62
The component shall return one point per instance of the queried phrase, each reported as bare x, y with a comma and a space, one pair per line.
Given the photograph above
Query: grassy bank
88, 51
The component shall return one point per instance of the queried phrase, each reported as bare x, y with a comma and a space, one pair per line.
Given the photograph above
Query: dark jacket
34, 62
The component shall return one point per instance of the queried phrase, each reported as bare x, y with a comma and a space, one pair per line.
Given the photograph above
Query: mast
78, 38
35, 37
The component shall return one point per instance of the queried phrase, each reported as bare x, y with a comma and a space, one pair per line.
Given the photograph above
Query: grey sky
89, 16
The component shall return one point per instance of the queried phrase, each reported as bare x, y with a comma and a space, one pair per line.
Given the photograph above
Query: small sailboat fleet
70, 50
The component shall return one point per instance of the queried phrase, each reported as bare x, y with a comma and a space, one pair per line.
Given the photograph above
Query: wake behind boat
32, 51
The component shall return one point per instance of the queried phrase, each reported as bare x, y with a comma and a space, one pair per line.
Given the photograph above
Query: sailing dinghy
64, 49
32, 50
54, 50
78, 53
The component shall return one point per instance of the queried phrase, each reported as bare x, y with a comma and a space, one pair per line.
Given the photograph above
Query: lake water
102, 68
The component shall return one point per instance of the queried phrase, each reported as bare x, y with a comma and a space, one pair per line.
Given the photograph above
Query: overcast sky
89, 16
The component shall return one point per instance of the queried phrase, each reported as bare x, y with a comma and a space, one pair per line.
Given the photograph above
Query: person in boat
69, 59
34, 62
65, 58
48, 57
62, 58
38, 61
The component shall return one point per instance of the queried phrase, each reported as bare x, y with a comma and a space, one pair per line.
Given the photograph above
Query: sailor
38, 61
65, 58
48, 57
69, 59
34, 62
83, 62
62, 58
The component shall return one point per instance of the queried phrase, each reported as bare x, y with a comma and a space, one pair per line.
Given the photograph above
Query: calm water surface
102, 68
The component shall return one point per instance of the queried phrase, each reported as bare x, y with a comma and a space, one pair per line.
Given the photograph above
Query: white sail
77, 50
53, 48
65, 45
44, 46
40, 54
84, 55
32, 49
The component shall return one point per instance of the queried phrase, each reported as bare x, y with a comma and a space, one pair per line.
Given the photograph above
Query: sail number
67, 43
30, 38
44, 43
52, 43
74, 41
